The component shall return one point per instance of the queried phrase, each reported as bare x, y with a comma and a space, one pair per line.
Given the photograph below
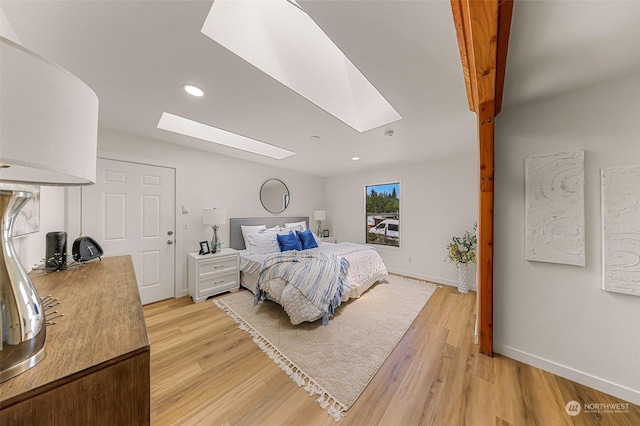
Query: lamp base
216, 245
22, 318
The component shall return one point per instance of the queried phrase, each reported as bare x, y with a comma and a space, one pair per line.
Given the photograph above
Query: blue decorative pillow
289, 242
307, 240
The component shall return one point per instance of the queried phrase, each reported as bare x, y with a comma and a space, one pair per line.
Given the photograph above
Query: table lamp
319, 215
48, 136
215, 218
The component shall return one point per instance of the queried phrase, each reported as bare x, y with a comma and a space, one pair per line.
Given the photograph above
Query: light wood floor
205, 371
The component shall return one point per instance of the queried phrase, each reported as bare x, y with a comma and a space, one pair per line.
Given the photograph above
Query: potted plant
462, 252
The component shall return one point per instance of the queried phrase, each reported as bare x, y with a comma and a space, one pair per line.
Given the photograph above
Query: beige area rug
335, 362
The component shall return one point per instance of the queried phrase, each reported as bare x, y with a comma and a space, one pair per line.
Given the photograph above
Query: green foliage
383, 202
463, 249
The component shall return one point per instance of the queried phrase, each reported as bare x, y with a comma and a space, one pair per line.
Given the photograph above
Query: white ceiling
137, 54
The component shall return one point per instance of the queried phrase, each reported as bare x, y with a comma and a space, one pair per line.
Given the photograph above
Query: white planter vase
463, 278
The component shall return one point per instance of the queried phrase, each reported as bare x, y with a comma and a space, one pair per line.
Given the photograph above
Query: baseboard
436, 280
619, 391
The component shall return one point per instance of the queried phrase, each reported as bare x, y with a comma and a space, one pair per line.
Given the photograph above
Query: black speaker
56, 251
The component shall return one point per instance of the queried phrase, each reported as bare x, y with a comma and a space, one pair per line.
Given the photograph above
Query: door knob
169, 241
170, 233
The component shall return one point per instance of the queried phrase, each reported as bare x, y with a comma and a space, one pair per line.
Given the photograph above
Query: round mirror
274, 196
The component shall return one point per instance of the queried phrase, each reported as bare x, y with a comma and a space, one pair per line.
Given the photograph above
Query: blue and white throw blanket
318, 276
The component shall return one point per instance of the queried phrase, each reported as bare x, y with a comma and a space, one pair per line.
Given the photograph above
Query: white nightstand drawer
218, 283
216, 265
213, 273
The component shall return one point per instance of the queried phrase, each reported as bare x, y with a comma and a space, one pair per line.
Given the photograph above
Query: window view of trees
383, 214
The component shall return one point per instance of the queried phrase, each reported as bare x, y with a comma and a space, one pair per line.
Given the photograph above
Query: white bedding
365, 268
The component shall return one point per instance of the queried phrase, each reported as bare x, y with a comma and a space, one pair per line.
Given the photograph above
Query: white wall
554, 316
211, 180
438, 201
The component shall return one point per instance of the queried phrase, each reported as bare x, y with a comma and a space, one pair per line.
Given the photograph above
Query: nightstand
328, 239
211, 274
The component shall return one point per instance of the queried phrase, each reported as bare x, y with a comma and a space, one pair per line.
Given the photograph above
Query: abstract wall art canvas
28, 220
554, 208
621, 229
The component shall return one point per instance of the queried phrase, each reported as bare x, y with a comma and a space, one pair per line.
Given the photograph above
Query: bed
364, 267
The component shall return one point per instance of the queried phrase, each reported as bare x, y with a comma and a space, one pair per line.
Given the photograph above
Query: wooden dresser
96, 368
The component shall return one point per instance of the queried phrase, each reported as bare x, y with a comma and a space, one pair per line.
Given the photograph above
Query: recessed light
193, 90
388, 133
355, 158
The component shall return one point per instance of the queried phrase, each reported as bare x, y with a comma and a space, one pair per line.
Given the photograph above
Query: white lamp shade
319, 215
214, 217
48, 121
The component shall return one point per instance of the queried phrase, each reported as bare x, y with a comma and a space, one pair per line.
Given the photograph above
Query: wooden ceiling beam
482, 28
465, 50
505, 12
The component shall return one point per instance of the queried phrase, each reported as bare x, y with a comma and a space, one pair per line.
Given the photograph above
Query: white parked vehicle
388, 227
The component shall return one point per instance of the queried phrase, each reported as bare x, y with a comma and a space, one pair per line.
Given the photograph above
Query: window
382, 210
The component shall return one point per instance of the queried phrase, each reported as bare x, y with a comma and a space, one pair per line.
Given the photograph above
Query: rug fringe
417, 280
335, 409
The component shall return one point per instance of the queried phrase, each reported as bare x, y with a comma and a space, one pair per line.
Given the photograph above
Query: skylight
280, 39
194, 129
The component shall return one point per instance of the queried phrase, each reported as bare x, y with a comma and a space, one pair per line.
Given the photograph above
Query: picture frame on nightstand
325, 233
204, 248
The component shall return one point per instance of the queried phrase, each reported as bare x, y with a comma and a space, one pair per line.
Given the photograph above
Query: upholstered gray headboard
235, 233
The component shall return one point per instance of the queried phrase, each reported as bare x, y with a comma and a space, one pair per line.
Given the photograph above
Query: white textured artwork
554, 197
621, 229
28, 220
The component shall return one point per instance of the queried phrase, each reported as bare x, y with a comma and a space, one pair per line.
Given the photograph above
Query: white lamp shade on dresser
48, 136
48, 121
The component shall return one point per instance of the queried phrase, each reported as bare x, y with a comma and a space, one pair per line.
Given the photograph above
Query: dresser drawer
218, 283
213, 266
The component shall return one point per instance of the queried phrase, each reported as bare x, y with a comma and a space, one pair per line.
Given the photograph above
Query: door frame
73, 207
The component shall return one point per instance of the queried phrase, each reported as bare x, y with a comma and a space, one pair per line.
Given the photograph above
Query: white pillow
302, 224
251, 230
276, 230
263, 242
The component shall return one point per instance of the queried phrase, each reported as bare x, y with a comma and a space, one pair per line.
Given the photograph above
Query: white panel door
131, 210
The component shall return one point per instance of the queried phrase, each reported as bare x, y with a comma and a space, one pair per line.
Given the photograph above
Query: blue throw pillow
307, 240
289, 242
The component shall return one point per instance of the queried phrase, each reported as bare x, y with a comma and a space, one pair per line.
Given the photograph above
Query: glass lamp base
216, 245
22, 318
